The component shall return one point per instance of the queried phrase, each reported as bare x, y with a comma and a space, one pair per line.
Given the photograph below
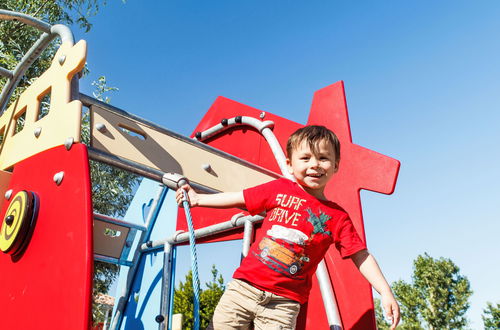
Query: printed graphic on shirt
283, 250
319, 223
286, 212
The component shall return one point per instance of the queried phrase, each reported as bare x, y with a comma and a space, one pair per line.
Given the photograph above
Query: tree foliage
491, 316
184, 295
438, 298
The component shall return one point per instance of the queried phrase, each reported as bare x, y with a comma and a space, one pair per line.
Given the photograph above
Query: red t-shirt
295, 235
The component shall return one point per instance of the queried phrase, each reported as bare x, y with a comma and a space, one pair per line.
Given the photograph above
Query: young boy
300, 224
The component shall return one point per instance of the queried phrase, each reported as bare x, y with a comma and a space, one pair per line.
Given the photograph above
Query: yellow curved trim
63, 120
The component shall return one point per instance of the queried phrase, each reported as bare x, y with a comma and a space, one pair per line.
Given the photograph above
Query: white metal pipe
264, 127
26, 19
178, 238
247, 237
278, 152
5, 73
165, 287
332, 311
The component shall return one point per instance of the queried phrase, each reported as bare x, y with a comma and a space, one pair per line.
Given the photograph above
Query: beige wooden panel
170, 154
106, 244
63, 120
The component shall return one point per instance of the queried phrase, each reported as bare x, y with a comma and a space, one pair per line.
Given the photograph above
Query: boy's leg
276, 312
235, 309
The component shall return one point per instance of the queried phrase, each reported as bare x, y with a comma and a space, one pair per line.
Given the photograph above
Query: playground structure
50, 236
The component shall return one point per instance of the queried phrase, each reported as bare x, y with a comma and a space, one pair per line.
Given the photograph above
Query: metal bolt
62, 59
69, 143
262, 115
101, 127
8, 194
206, 167
9, 220
58, 177
38, 131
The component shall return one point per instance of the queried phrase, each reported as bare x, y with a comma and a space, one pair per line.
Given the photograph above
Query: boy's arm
368, 266
219, 200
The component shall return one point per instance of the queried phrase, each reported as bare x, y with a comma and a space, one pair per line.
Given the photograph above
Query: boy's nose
314, 162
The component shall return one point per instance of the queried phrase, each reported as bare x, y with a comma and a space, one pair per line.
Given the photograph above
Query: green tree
183, 299
491, 316
211, 296
438, 298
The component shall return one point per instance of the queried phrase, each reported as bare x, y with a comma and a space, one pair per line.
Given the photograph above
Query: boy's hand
391, 308
192, 196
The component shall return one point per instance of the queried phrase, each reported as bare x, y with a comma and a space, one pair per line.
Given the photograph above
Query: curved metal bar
5, 73
22, 67
49, 33
63, 32
8, 15
264, 127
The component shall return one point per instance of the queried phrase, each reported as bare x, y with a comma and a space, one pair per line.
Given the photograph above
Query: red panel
49, 285
360, 168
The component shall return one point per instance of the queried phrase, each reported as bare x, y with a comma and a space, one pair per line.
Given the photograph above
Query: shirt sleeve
260, 198
347, 239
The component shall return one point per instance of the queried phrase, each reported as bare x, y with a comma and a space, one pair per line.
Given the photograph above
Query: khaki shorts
242, 304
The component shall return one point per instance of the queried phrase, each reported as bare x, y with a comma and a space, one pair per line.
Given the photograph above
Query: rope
194, 262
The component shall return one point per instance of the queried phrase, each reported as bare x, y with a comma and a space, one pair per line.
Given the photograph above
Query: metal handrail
264, 128
49, 33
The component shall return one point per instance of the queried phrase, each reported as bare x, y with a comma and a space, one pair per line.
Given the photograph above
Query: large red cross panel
360, 168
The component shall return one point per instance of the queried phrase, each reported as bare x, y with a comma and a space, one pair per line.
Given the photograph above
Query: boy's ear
289, 165
336, 166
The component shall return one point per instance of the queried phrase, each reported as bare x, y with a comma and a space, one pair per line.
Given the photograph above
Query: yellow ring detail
18, 209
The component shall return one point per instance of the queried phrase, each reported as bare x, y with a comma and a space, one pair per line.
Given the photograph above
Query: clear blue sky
422, 84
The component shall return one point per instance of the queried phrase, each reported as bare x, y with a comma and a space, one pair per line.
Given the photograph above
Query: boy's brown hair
313, 135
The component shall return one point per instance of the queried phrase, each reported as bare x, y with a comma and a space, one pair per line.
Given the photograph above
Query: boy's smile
313, 171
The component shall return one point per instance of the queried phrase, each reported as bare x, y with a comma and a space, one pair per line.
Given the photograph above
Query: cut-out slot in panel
44, 105
112, 232
20, 120
2, 135
109, 239
132, 132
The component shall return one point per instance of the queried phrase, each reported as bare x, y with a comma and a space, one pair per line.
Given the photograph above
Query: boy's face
313, 172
